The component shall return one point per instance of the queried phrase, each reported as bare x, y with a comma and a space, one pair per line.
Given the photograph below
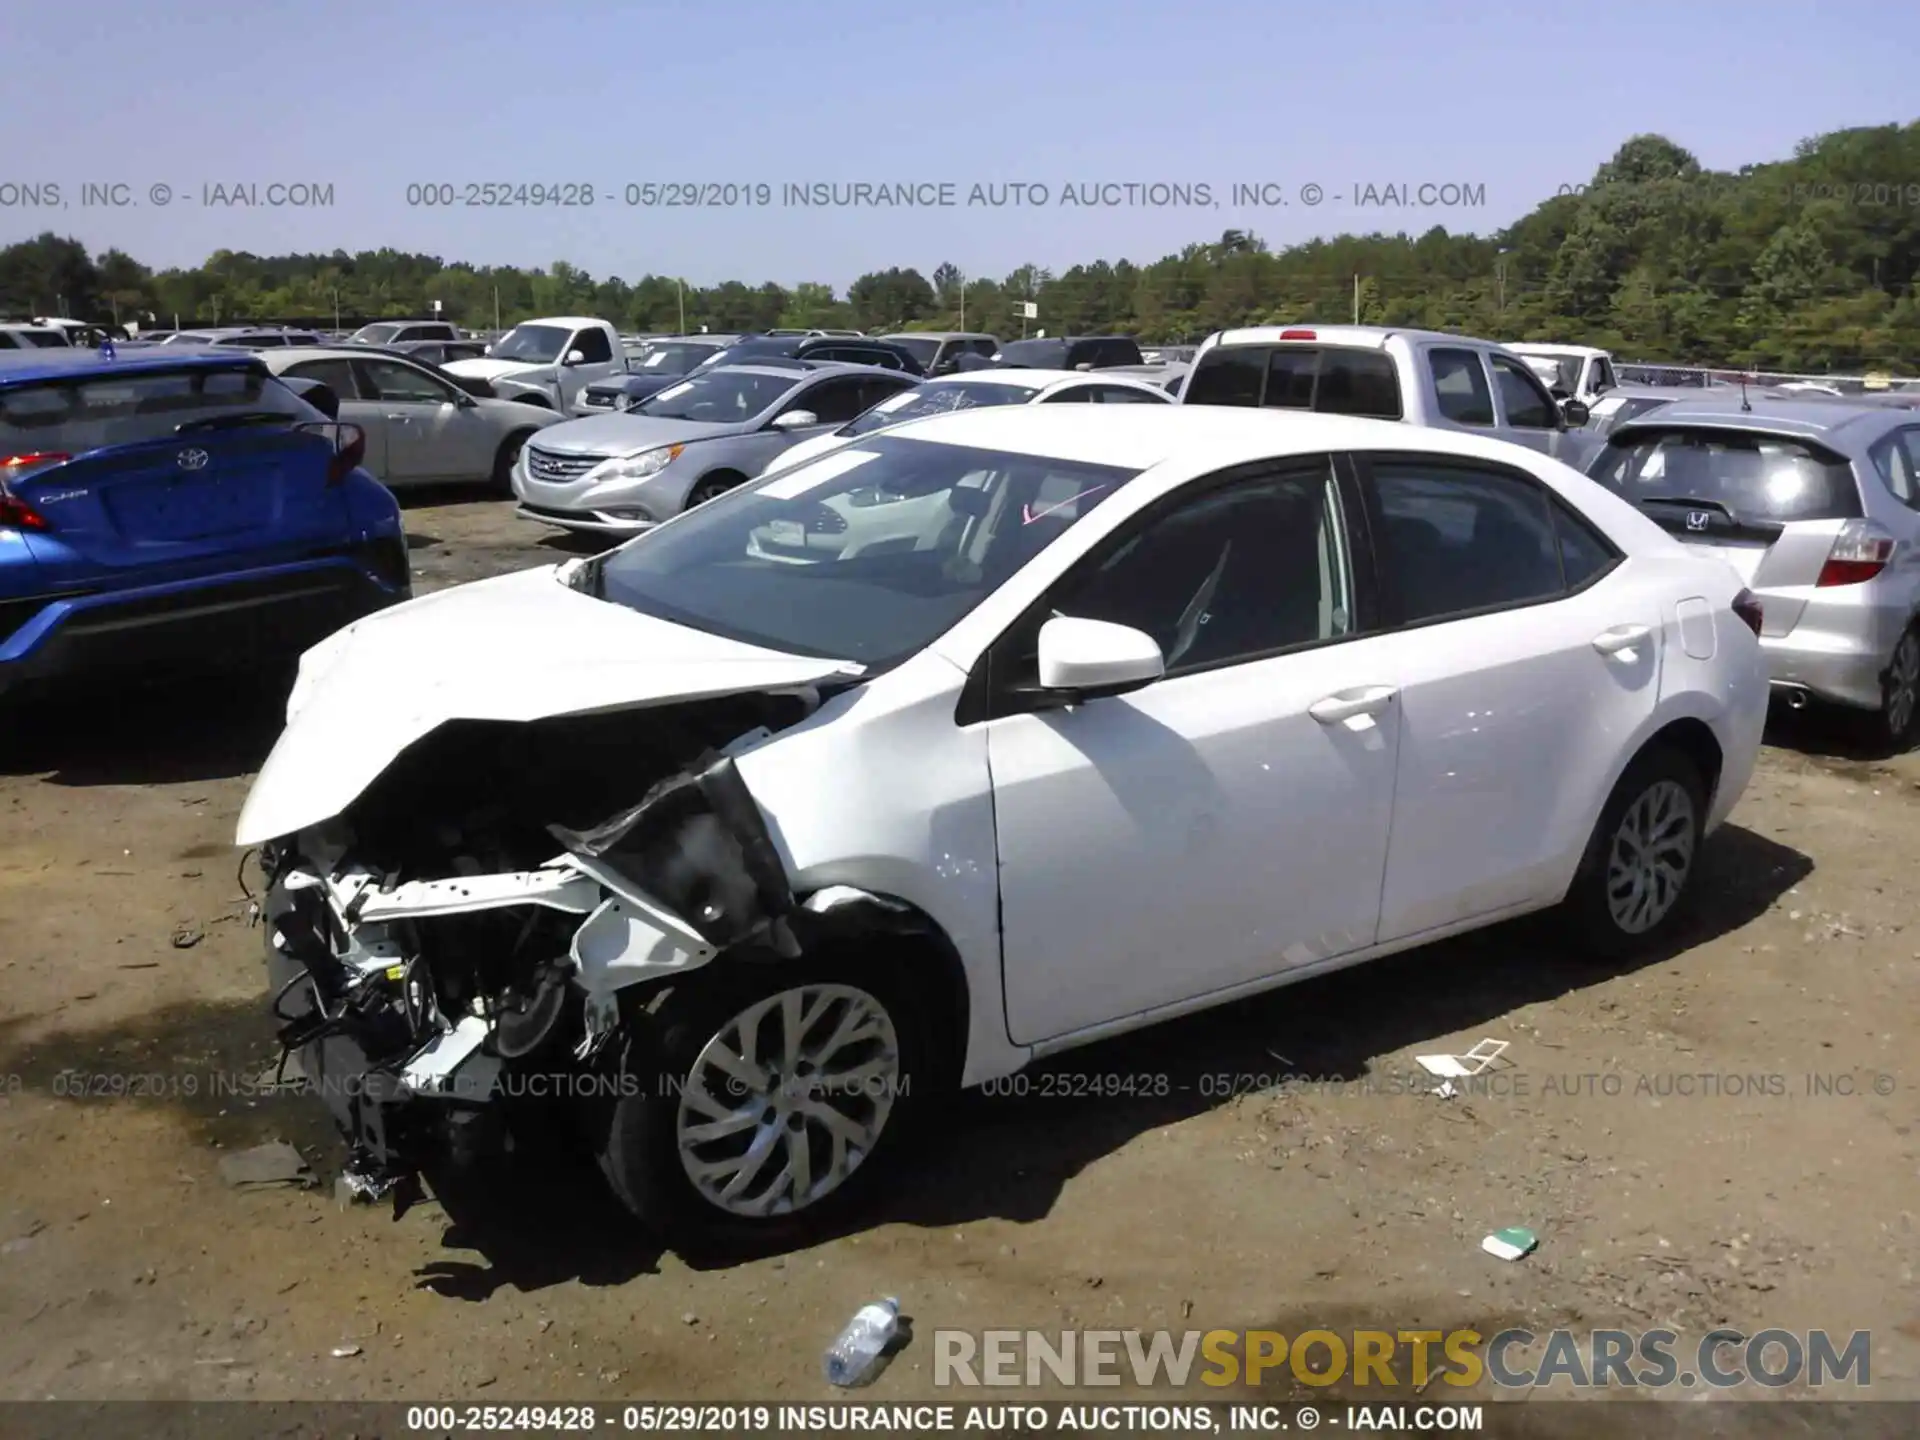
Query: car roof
1531, 347
933, 335
1810, 418
814, 368
1364, 337
1139, 437
574, 320
1032, 377
22, 366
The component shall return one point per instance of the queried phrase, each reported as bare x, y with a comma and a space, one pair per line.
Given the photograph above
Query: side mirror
795, 420
575, 357
1576, 413
1091, 658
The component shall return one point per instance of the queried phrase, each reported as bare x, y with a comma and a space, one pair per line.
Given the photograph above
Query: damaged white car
966, 744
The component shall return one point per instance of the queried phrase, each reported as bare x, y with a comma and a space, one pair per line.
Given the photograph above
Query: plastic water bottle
849, 1360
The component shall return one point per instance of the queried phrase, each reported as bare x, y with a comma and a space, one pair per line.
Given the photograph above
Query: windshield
670, 359
1752, 477
720, 397
88, 412
920, 347
532, 344
934, 400
867, 554
377, 334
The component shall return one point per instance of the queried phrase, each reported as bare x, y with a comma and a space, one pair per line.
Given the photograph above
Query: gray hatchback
623, 473
1817, 505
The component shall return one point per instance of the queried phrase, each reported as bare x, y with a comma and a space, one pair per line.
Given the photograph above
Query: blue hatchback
162, 512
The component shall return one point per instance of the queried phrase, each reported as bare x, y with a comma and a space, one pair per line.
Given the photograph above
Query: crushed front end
449, 953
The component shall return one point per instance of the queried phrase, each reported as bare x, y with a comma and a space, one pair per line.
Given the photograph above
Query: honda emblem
192, 459
1699, 519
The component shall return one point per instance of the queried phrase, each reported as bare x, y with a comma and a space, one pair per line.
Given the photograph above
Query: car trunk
1771, 506
188, 501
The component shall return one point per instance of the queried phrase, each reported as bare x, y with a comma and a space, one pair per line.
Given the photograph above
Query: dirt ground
1723, 1136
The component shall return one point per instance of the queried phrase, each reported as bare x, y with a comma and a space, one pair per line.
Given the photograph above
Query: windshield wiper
234, 421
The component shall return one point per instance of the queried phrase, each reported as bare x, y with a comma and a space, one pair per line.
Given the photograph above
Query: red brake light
349, 444
1860, 551
1747, 606
1298, 335
15, 513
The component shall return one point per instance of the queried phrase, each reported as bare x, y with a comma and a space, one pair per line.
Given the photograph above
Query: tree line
1807, 263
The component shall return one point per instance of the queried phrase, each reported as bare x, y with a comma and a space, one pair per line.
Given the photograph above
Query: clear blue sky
372, 97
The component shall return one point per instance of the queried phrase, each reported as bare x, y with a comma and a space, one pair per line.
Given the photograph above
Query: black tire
1589, 913
713, 485
1895, 726
638, 1137
507, 457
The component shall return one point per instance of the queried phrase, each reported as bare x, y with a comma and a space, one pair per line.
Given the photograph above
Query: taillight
1298, 335
1860, 551
1747, 606
349, 445
16, 513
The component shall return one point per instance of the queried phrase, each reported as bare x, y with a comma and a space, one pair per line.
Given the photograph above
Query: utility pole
681, 286
336, 307
1356, 297
1500, 281
963, 299
496, 308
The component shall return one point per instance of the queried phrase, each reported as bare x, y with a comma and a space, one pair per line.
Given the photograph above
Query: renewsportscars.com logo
1513, 1359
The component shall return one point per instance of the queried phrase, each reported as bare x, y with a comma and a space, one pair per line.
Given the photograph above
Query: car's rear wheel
754, 1106
711, 486
1636, 876
507, 457
1897, 726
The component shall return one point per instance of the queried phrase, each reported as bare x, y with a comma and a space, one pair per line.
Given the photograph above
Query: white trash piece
850, 1359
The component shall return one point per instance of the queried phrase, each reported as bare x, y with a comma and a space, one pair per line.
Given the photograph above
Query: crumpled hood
486, 368
520, 647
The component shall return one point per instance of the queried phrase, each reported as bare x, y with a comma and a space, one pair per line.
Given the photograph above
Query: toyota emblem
192, 459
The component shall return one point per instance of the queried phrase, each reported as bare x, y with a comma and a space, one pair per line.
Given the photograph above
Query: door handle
1368, 700
1620, 638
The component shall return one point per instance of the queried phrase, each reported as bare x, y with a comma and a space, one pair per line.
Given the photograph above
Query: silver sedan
421, 428
620, 474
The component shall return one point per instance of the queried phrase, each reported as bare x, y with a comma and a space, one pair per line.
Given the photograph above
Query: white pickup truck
1576, 371
547, 362
1423, 377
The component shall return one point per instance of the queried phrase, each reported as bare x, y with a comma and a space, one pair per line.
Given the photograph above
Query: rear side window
88, 412
1745, 476
1897, 459
1458, 540
1460, 385
1298, 377
336, 374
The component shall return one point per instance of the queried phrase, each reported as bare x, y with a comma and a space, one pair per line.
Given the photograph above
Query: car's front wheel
754, 1106
1637, 873
506, 458
711, 486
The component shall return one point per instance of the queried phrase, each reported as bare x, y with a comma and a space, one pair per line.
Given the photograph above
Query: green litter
1511, 1243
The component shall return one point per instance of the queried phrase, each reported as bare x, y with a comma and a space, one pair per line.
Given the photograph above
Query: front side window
594, 347
1458, 540
868, 553
1528, 405
1237, 572
1460, 386
833, 402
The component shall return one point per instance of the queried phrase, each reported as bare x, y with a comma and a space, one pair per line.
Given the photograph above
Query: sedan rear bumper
207, 623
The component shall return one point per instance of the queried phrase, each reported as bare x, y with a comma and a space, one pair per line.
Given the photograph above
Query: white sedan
974, 390
1149, 711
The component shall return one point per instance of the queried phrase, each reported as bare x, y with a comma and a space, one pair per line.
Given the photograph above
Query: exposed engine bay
490, 908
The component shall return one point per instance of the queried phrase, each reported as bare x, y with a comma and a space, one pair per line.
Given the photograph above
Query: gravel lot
1725, 1135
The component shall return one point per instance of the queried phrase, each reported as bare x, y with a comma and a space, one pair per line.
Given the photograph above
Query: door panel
1204, 832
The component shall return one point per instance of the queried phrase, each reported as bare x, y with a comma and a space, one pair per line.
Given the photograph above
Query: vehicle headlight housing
637, 466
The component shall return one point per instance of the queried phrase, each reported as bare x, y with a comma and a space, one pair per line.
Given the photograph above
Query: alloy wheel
787, 1100
1903, 684
1650, 857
